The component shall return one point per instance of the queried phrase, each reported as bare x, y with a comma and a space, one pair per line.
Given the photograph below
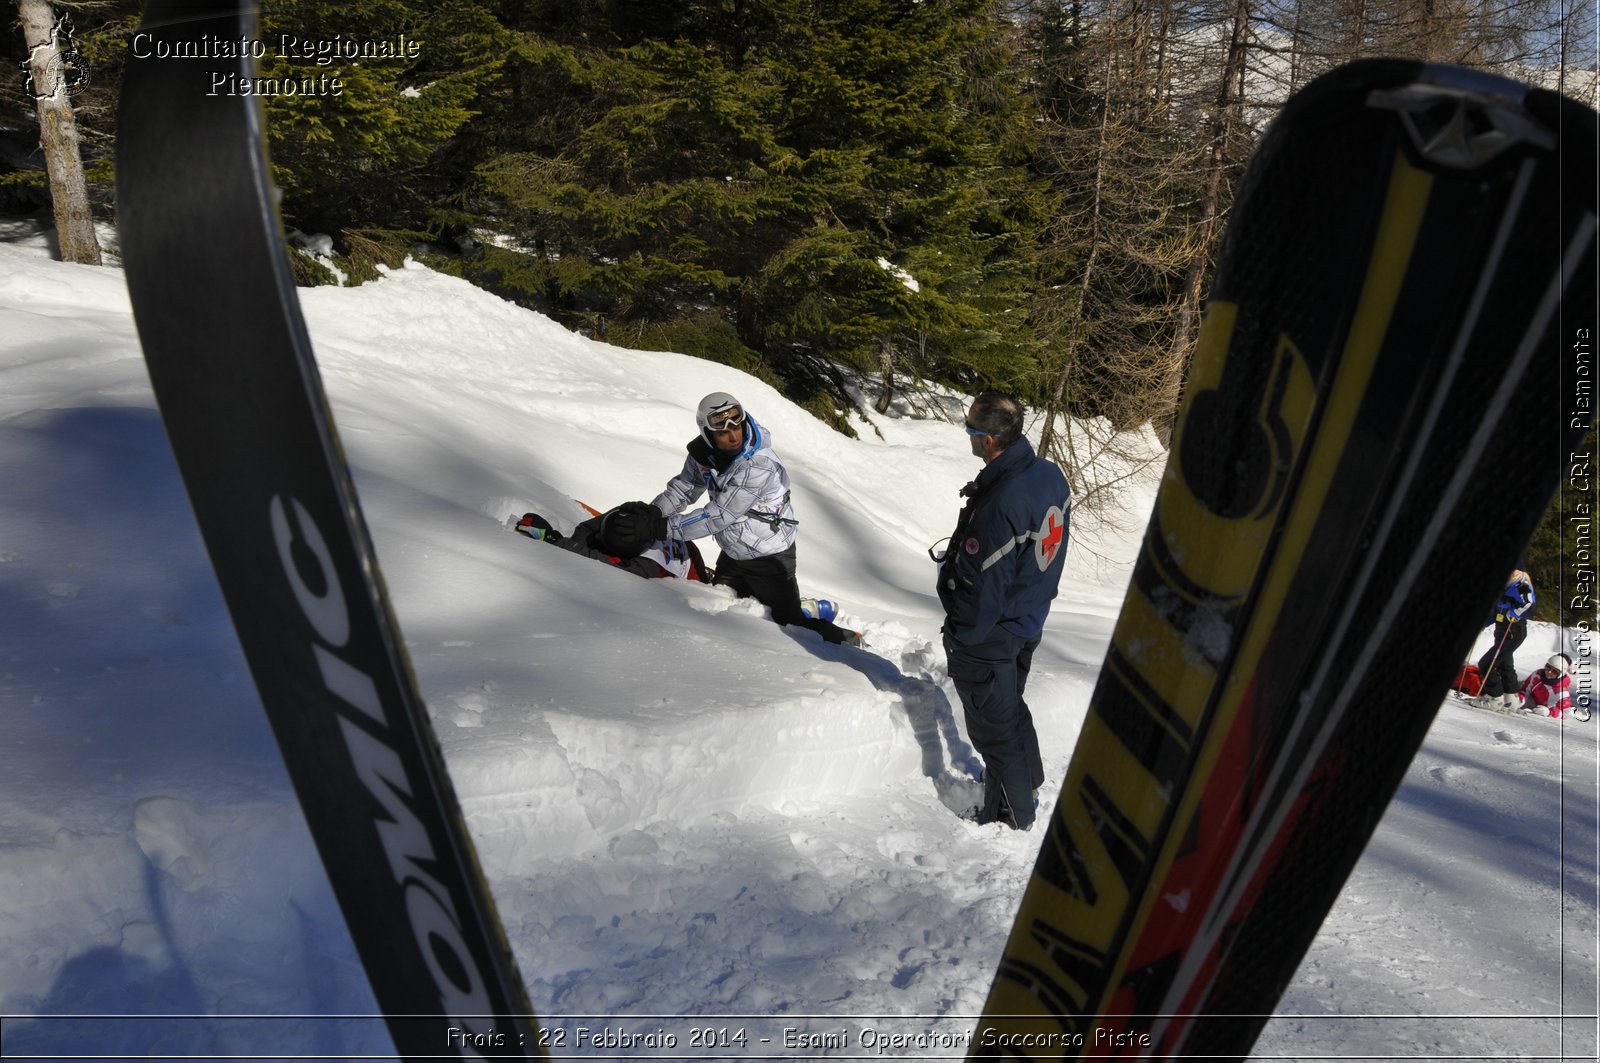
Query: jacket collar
1016, 456
755, 438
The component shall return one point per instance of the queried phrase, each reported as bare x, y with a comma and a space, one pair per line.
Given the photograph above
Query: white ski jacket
748, 510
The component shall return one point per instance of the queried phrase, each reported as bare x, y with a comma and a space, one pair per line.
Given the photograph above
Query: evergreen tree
827, 183
375, 155
926, 258
1561, 557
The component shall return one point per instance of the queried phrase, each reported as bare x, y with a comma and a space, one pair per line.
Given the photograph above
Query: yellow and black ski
248, 420
1410, 263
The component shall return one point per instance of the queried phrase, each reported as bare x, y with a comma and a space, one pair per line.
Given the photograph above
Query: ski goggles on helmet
725, 420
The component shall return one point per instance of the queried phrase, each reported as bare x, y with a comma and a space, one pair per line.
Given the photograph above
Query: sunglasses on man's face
726, 421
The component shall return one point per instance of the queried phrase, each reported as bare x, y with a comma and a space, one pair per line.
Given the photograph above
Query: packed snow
690, 818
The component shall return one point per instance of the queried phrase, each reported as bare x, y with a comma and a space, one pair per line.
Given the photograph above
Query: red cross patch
1049, 538
971, 546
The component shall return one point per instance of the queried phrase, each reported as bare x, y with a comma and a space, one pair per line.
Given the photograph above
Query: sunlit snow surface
683, 810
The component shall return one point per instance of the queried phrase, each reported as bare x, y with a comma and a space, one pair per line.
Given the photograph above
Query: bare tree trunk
58, 135
1057, 406
1221, 131
886, 370
1358, 29
1162, 85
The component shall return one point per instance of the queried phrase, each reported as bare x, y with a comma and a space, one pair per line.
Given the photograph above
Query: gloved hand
536, 527
631, 527
660, 523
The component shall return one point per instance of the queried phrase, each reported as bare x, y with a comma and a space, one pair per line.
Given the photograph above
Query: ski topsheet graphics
249, 424
1372, 428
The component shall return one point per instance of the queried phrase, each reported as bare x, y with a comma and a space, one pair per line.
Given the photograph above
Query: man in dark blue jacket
996, 582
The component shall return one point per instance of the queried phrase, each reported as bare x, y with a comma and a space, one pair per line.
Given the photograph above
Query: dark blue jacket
1008, 550
1516, 600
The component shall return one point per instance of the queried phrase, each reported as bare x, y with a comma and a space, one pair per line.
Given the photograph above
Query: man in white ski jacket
731, 460
747, 511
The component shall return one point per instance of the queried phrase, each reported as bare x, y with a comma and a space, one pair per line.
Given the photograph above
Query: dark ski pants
991, 676
1500, 673
771, 581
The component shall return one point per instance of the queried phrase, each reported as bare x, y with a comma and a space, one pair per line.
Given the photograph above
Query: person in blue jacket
996, 582
1497, 667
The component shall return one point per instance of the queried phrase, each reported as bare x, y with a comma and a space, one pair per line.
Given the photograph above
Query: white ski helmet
1559, 663
720, 408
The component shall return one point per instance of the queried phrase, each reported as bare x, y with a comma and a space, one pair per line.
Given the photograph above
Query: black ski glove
659, 522
630, 528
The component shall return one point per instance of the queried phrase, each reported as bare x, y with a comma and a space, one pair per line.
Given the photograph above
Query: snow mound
681, 808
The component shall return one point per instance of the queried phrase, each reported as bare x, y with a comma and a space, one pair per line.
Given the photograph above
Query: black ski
248, 420
1410, 259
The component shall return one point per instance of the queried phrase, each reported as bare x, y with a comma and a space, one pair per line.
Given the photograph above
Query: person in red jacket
1548, 692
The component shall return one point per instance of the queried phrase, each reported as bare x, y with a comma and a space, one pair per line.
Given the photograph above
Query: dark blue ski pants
1497, 667
991, 676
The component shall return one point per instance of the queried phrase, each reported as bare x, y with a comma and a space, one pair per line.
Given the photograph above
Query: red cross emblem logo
1048, 539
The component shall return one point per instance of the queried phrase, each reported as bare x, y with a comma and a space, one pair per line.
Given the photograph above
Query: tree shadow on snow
102, 995
142, 997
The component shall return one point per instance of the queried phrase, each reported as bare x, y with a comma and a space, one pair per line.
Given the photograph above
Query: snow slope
683, 809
